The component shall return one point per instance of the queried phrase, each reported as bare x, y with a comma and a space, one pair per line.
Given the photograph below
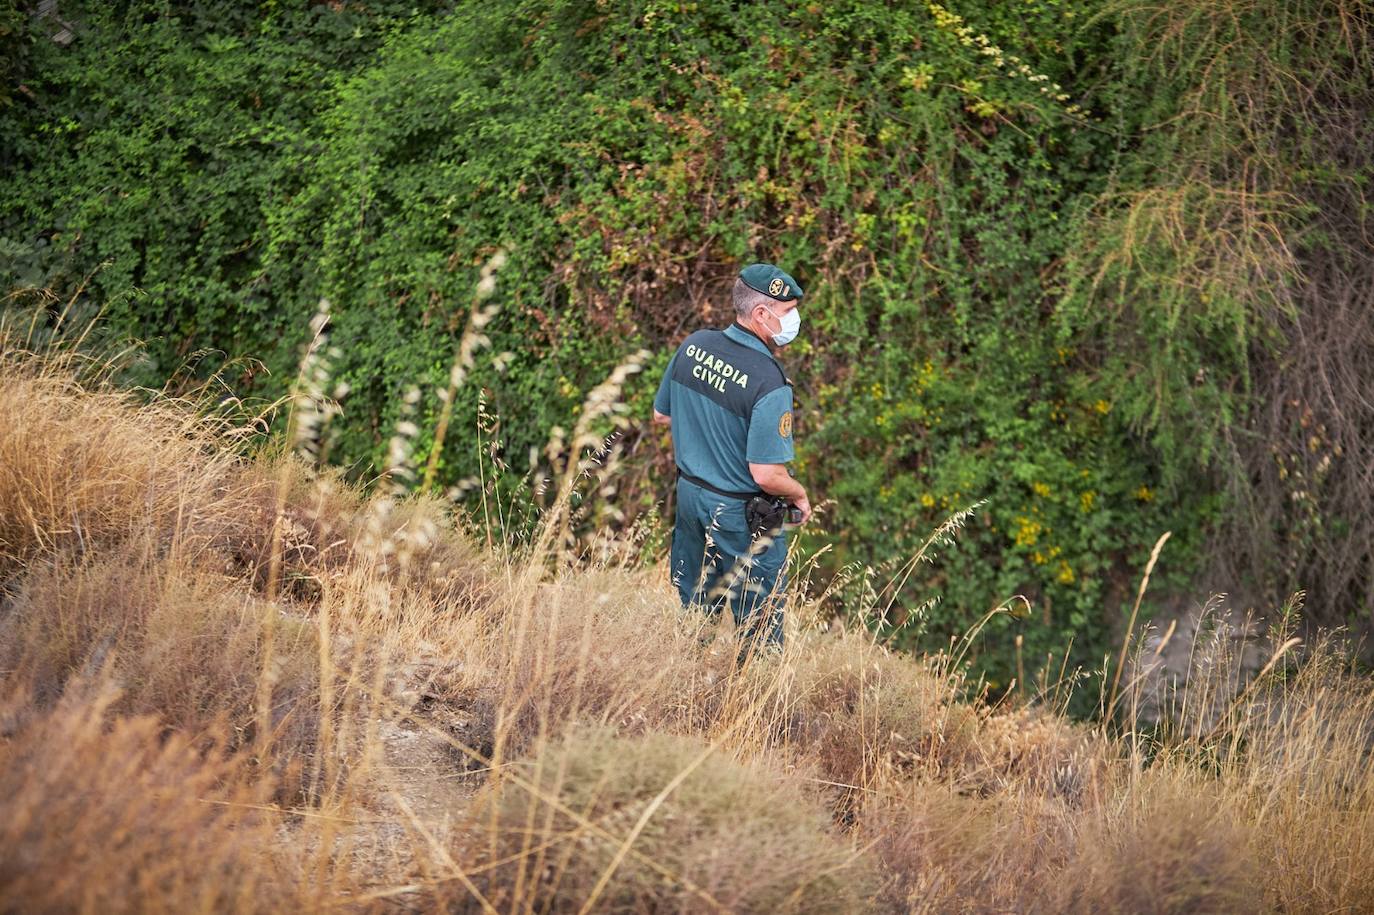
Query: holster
765, 515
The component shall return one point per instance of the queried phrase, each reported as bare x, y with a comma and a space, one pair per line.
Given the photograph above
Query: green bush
949, 187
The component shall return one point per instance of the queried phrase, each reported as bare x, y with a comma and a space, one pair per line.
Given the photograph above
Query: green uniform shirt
731, 406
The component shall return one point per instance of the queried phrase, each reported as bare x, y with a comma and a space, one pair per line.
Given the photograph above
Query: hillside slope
233, 683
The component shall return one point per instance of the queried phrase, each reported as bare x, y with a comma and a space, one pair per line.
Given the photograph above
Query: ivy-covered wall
954, 185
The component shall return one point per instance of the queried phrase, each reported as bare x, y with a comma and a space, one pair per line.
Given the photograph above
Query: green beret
771, 281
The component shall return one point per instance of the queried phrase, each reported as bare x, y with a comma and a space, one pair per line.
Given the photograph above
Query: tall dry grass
110, 813
237, 682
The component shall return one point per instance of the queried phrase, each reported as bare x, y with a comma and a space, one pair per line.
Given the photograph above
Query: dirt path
417, 791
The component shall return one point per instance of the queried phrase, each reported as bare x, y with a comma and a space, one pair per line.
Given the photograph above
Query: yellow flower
1145, 494
1041, 489
927, 500
1065, 576
1088, 500
1102, 407
1027, 531
919, 76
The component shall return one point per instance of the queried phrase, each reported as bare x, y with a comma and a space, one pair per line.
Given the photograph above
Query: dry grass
101, 813
1299, 772
559, 652
866, 716
1166, 845
709, 833
182, 644
234, 683
82, 472
945, 851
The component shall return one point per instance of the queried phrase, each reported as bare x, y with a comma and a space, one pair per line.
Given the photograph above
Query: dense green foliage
1000, 307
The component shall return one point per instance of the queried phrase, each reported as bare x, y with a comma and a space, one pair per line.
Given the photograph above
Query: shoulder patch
785, 425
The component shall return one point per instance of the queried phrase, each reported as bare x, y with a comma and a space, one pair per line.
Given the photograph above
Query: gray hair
746, 297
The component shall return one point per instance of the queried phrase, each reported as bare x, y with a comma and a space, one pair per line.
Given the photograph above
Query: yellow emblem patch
785, 425
775, 287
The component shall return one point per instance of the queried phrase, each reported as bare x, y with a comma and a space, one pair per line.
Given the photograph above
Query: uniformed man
730, 409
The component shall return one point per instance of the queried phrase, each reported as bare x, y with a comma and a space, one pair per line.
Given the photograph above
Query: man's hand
662, 419
775, 480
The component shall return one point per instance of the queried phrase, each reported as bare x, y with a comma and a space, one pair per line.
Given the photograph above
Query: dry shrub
414, 546
1316, 861
185, 645
704, 833
601, 646
1171, 845
305, 516
1308, 729
1030, 749
863, 714
322, 527
87, 469
106, 815
942, 851
1288, 731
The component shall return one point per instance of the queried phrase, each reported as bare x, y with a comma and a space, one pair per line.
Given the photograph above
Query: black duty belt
743, 496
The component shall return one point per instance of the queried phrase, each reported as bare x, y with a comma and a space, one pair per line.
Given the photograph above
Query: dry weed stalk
473, 339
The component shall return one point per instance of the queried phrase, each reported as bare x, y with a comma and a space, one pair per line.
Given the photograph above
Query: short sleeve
663, 401
770, 428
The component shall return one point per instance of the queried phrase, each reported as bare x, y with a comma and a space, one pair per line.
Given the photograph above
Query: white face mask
791, 324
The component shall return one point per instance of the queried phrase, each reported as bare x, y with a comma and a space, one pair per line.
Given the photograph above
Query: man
729, 406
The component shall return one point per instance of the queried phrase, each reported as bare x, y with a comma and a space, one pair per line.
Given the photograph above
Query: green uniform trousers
716, 564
